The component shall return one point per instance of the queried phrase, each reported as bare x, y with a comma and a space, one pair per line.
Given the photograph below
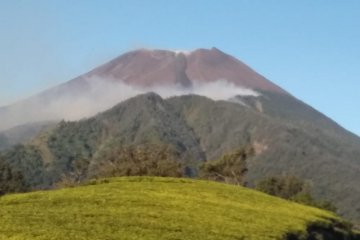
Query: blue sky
310, 48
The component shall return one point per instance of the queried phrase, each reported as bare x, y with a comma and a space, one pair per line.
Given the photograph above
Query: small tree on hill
230, 168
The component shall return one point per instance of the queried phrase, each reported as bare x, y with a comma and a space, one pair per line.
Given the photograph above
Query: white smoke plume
101, 95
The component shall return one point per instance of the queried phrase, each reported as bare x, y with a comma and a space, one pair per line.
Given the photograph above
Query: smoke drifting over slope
207, 72
103, 94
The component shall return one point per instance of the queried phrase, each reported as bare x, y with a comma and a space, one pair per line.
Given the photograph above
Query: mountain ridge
197, 129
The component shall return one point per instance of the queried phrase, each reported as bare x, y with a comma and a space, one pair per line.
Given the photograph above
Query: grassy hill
157, 208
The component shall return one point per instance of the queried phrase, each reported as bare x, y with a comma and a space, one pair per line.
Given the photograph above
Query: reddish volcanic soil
147, 68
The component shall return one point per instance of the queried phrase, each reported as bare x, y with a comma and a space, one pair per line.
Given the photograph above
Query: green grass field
153, 208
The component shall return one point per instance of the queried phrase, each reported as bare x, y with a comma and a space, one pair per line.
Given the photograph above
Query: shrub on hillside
11, 180
145, 160
283, 186
230, 168
292, 188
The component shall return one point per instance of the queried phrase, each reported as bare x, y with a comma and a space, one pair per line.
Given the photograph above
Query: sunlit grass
152, 208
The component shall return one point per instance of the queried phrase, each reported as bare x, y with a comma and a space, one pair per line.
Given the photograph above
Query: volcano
143, 70
288, 135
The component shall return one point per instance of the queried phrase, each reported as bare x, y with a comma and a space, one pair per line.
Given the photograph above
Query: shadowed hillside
22, 134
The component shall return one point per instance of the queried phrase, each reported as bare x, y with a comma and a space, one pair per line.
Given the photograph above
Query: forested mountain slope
189, 130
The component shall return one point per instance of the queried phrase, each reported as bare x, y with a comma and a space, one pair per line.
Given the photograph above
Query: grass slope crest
152, 208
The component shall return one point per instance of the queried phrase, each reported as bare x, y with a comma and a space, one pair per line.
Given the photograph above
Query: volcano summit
140, 71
